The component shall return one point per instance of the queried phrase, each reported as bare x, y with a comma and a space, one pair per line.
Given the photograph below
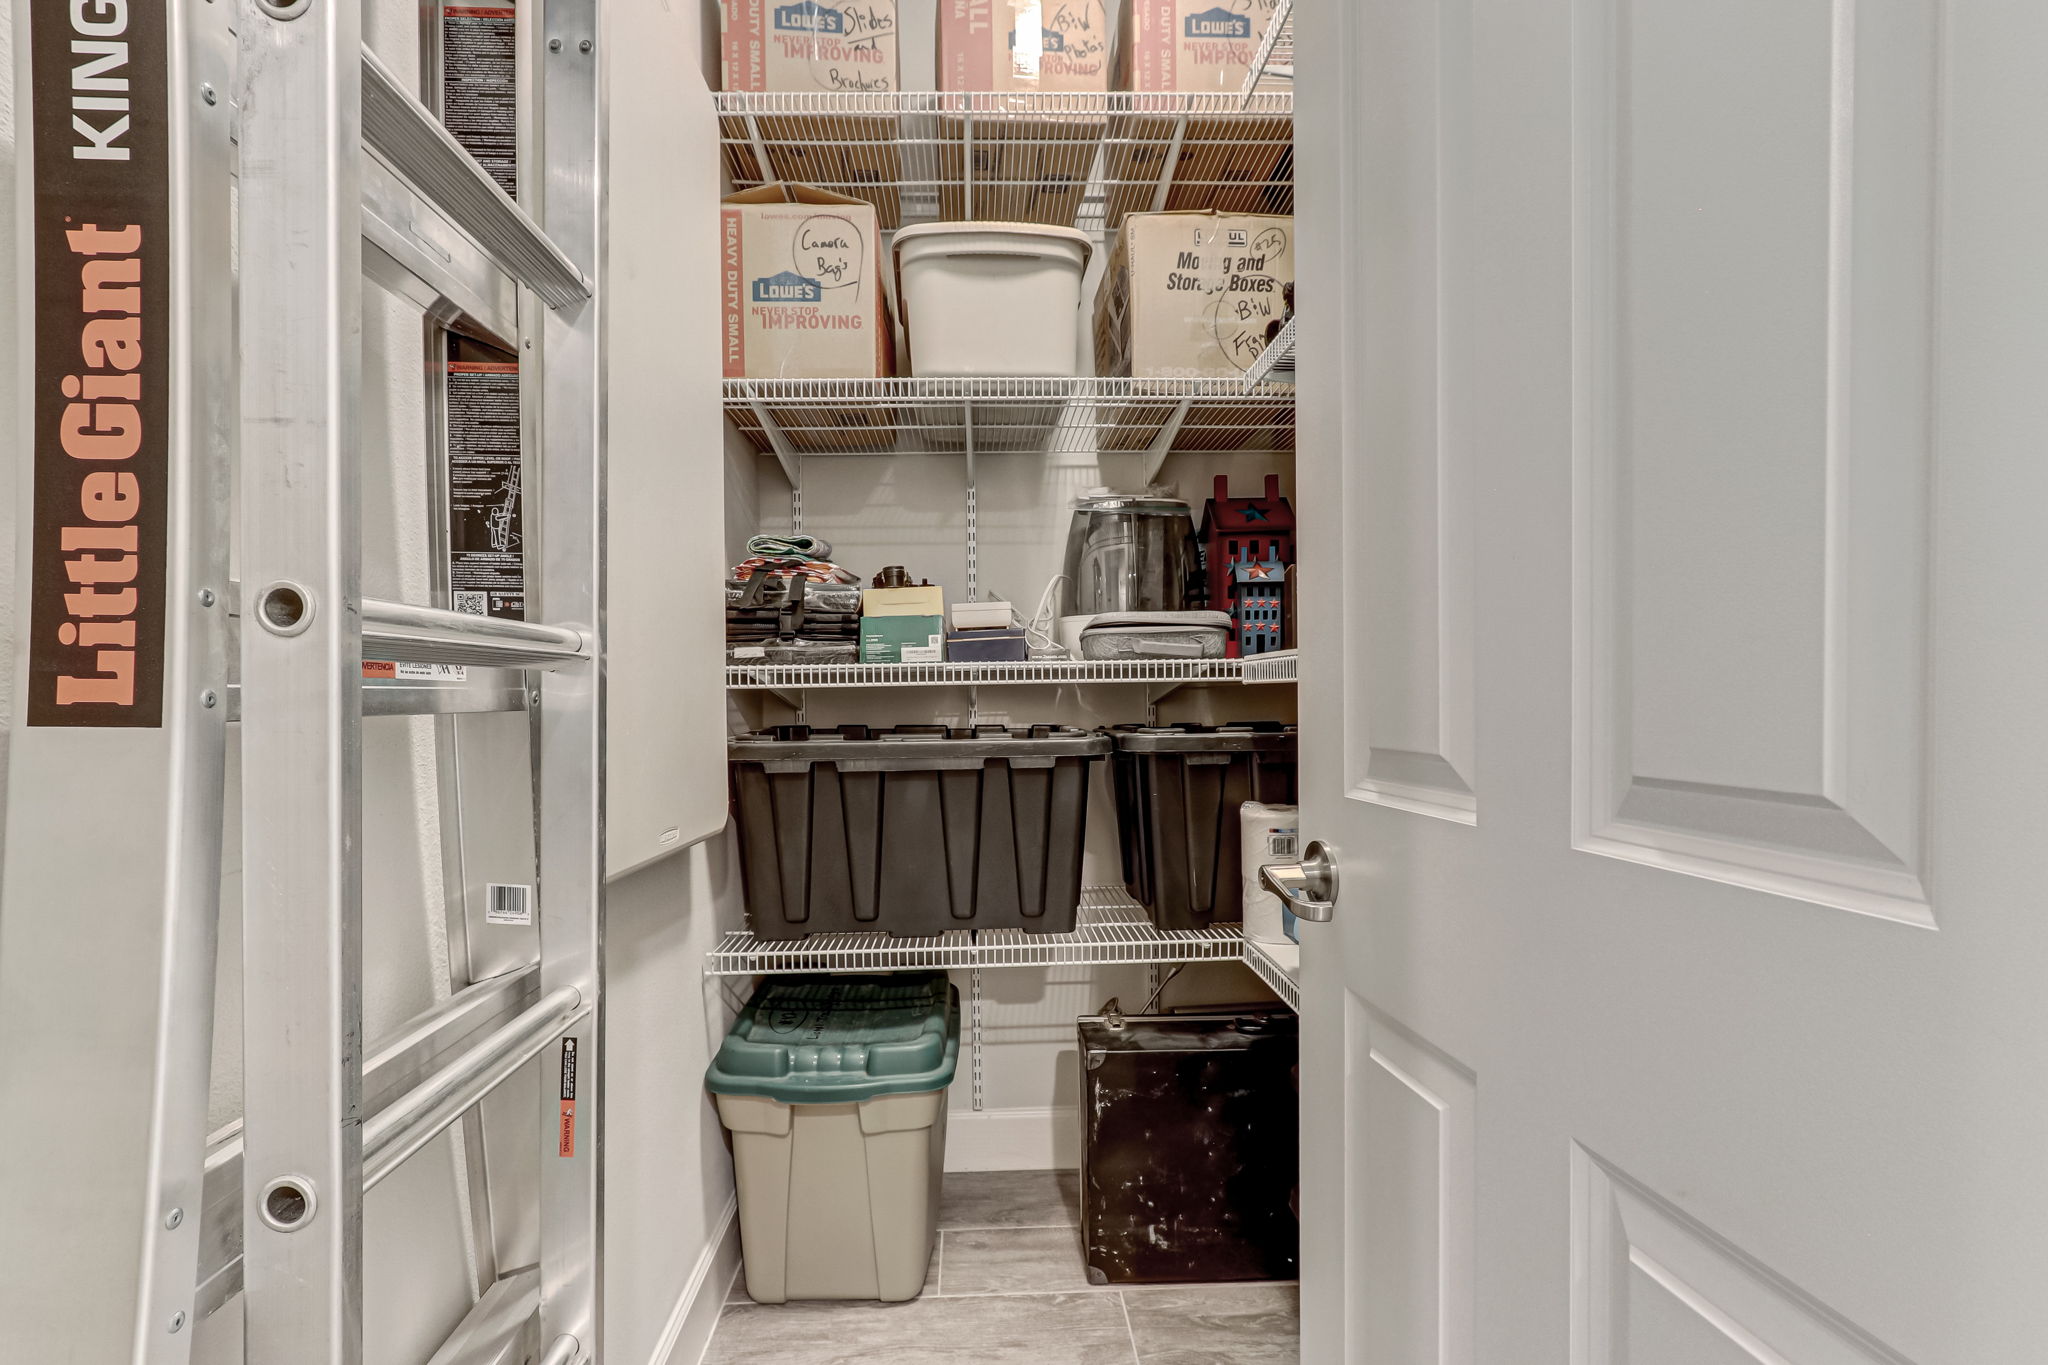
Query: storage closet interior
1008, 378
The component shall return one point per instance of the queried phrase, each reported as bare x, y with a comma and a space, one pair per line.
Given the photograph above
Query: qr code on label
473, 603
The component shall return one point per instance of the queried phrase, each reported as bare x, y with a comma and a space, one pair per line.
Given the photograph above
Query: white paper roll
1267, 834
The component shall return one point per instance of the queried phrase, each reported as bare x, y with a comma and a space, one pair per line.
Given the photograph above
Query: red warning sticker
567, 1144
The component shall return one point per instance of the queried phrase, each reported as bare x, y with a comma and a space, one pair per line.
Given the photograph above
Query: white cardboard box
1189, 295
809, 45
801, 275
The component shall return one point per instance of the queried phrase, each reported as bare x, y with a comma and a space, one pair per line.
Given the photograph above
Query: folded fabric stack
787, 602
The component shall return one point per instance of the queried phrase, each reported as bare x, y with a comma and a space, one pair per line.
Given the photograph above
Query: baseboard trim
695, 1317
1013, 1140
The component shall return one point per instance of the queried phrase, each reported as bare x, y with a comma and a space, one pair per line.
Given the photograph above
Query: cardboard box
902, 639
1192, 46
802, 284
1024, 45
1188, 295
925, 600
809, 45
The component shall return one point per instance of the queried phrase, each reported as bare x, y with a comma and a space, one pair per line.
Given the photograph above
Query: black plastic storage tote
912, 831
1177, 793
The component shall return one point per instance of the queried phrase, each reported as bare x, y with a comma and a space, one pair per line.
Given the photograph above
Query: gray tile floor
1007, 1287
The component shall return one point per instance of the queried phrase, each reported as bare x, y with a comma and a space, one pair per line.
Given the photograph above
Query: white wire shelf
1280, 666
1274, 60
1112, 929
1279, 966
744, 677
1275, 364
796, 417
1076, 160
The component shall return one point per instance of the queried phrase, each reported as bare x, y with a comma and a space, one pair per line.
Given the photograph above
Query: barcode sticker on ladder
508, 903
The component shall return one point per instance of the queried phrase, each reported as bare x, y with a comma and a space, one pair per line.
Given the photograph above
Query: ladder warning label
99, 234
486, 517
479, 94
567, 1145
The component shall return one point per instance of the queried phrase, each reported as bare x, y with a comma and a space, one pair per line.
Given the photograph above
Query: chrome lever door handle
1310, 886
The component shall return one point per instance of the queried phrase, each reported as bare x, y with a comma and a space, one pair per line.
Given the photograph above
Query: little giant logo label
100, 236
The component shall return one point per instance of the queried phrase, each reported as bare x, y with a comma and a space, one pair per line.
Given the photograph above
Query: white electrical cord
1038, 636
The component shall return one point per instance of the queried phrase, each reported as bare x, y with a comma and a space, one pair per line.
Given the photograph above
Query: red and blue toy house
1247, 546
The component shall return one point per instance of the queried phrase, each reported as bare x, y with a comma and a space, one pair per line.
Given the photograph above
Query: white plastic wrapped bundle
1268, 834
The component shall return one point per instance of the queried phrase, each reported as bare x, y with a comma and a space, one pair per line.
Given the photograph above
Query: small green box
902, 639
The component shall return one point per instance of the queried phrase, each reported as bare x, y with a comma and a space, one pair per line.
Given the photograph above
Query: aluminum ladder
117, 1224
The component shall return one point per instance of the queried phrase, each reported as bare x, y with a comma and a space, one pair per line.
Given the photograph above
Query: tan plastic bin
834, 1090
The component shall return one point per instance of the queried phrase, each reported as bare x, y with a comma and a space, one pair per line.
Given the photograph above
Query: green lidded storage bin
834, 1090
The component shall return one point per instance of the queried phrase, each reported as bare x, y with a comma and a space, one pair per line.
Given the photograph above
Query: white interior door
1674, 458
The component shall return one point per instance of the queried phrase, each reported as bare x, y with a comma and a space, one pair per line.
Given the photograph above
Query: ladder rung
392, 1068
419, 146
473, 697
430, 635
416, 252
419, 1116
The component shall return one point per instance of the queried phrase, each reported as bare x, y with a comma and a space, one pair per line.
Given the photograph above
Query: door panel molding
1402, 1094
1625, 1236
1409, 736
1749, 711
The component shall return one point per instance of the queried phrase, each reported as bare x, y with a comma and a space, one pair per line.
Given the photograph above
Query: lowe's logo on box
809, 17
1050, 41
1219, 23
788, 287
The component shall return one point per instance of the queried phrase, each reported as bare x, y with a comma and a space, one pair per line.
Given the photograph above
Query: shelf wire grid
1009, 416
1072, 160
1276, 363
1052, 671
1274, 60
1270, 963
1280, 666
1112, 929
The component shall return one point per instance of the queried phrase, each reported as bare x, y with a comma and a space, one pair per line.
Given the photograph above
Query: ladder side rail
110, 884
301, 278
570, 723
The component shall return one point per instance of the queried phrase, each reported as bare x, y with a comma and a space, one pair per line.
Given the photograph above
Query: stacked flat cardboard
1189, 295
809, 45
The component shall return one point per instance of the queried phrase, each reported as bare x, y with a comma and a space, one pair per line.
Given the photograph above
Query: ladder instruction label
486, 516
100, 237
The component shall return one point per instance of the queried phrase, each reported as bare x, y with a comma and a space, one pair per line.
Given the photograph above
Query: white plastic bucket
989, 299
